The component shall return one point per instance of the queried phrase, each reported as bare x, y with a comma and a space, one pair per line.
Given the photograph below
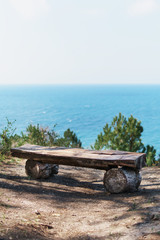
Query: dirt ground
74, 206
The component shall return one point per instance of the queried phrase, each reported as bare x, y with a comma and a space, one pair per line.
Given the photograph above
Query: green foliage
19, 140
2, 158
7, 138
69, 139
158, 160
45, 137
40, 136
34, 135
122, 134
150, 155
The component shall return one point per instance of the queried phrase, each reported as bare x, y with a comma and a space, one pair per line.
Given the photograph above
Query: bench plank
80, 157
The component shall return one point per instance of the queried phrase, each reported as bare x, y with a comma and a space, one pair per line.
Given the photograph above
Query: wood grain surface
80, 157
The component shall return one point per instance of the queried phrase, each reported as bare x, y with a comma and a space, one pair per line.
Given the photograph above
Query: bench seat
80, 157
122, 168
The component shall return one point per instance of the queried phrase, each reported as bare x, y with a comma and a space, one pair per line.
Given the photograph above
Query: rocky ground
74, 206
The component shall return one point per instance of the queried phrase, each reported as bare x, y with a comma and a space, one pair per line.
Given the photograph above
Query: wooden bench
122, 168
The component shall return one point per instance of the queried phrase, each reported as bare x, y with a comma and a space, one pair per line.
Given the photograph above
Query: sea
85, 109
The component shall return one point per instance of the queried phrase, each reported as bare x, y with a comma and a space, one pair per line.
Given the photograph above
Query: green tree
45, 137
150, 155
122, 134
40, 136
7, 138
69, 139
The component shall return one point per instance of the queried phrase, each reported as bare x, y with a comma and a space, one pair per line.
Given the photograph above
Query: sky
79, 42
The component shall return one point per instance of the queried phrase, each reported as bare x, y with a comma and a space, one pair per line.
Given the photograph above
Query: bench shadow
7, 205
64, 187
35, 232
68, 188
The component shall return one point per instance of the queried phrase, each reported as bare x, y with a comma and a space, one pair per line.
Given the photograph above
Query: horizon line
75, 84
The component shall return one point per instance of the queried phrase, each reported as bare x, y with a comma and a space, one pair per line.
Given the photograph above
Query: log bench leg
37, 169
118, 180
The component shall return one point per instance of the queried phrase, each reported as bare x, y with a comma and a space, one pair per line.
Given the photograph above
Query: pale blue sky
79, 42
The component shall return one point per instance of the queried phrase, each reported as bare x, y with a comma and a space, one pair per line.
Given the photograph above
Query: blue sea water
85, 109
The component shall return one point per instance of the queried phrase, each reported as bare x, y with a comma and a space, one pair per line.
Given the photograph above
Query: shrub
7, 138
45, 137
69, 139
40, 136
35, 135
150, 155
121, 134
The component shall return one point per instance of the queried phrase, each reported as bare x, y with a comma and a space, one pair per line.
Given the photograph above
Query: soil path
74, 206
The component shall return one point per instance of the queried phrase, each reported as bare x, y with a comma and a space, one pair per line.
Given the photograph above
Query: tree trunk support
118, 180
37, 169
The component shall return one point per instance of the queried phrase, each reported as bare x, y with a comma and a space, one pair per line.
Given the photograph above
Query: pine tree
122, 134
69, 139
